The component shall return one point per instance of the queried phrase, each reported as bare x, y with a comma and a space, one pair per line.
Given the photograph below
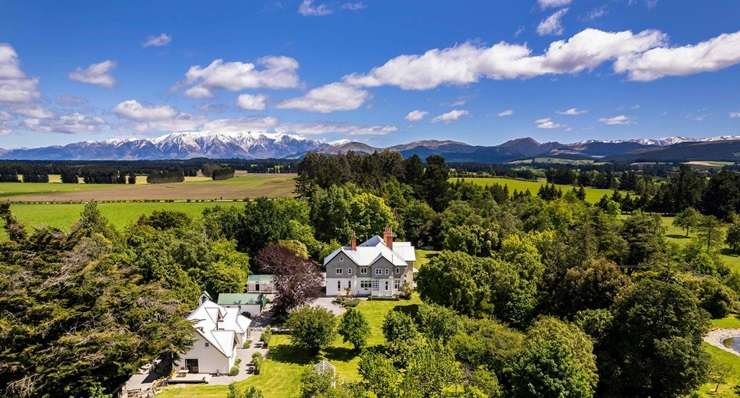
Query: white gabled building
219, 331
378, 267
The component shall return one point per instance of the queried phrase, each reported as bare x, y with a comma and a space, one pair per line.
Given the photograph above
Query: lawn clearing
593, 195
280, 377
727, 359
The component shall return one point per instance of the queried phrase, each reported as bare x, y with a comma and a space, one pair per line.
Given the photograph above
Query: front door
192, 365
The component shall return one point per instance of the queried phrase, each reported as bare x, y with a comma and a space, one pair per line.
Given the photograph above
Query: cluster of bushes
166, 176
217, 171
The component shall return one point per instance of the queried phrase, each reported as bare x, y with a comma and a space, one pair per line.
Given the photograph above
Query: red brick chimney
354, 241
388, 237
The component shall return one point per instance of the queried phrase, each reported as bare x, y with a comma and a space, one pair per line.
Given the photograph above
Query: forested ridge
531, 295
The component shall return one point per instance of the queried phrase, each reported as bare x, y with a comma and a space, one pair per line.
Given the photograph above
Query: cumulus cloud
468, 63
572, 112
707, 56
328, 98
252, 102
735, 115
505, 113
553, 3
134, 110
450, 116
416, 115
276, 72
619, 120
98, 74
307, 8
15, 86
547, 123
160, 40
552, 25
73, 123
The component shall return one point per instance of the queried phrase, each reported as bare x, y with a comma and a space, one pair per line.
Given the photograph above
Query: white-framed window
349, 284
349, 271
339, 271
341, 259
208, 344
339, 285
363, 270
378, 271
387, 271
398, 270
376, 284
365, 284
386, 285
397, 284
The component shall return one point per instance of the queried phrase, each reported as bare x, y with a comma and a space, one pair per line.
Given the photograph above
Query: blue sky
382, 72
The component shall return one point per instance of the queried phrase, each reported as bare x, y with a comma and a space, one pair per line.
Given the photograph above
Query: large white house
219, 331
377, 267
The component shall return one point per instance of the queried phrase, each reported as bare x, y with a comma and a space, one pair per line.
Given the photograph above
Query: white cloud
325, 128
547, 123
450, 116
553, 3
73, 123
354, 6
467, 63
160, 40
198, 92
97, 74
596, 13
277, 72
505, 113
15, 87
134, 110
33, 111
308, 9
252, 102
328, 98
735, 115
714, 54
619, 120
572, 112
552, 25
416, 115
5, 116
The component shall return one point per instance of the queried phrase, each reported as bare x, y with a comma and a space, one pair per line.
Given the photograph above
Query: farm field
248, 186
280, 377
63, 215
592, 194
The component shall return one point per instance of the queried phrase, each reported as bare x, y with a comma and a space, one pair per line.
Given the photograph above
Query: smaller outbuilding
247, 304
260, 283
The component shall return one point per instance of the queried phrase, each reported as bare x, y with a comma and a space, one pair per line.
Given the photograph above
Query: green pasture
63, 216
592, 194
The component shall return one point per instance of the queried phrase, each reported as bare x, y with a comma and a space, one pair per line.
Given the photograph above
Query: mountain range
250, 145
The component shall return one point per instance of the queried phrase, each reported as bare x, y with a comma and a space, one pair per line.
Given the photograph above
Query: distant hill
250, 145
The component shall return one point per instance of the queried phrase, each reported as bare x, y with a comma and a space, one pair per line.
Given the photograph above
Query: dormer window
339, 271
378, 271
387, 271
398, 270
349, 271
363, 270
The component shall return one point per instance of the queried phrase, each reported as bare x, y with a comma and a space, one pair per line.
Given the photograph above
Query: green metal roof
239, 298
259, 278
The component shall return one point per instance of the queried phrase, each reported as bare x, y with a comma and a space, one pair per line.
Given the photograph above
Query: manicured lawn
282, 370
729, 322
423, 257
592, 194
728, 359
678, 236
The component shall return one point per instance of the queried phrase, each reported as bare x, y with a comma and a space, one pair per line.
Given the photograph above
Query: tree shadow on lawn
343, 354
286, 353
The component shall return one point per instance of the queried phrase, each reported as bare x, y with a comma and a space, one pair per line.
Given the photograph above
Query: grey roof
370, 251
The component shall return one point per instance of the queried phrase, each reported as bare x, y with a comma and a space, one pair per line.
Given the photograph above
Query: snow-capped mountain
246, 145
258, 145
